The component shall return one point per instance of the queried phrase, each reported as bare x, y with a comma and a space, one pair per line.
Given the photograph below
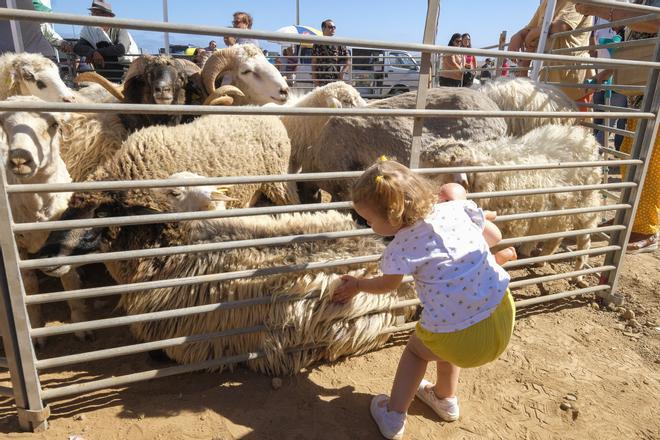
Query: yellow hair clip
382, 158
379, 179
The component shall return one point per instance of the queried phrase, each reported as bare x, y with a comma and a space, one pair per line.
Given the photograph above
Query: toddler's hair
392, 188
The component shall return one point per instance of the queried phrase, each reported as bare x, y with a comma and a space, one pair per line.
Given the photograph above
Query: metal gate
17, 334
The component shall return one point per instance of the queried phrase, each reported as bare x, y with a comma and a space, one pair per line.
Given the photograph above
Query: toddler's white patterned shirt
456, 277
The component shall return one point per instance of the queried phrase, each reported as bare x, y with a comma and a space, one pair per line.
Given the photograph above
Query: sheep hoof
85, 336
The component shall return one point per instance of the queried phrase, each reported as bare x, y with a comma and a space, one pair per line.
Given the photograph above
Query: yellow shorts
478, 344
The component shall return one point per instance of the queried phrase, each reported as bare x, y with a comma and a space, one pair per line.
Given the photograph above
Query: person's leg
409, 374
619, 100
599, 98
446, 383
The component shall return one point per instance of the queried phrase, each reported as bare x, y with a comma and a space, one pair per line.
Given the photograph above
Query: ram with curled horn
243, 66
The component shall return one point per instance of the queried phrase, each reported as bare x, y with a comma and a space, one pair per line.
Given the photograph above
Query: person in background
487, 68
505, 67
105, 47
34, 40
287, 64
644, 235
451, 74
242, 20
48, 30
470, 62
565, 18
212, 47
327, 58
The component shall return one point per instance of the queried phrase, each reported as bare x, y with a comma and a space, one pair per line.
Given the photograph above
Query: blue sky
390, 20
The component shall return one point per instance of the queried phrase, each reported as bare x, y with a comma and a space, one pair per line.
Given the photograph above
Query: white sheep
523, 94
32, 74
546, 144
304, 131
29, 147
194, 198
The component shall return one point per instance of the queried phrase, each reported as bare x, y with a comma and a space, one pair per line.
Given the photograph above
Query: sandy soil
574, 351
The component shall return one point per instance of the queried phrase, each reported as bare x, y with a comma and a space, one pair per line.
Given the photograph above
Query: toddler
468, 313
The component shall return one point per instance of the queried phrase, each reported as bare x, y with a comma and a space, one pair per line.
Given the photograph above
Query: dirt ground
574, 351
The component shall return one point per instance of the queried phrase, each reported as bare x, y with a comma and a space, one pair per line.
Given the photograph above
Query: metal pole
31, 413
545, 29
166, 35
298, 12
645, 138
430, 31
16, 33
500, 46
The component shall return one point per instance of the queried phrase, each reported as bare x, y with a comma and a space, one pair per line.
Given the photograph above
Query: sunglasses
235, 22
331, 27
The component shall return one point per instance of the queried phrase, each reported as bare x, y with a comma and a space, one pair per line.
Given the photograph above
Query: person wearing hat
105, 47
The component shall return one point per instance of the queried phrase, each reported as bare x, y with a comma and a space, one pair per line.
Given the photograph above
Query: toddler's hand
347, 290
490, 215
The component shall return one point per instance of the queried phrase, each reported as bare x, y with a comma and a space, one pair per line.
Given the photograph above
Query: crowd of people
459, 70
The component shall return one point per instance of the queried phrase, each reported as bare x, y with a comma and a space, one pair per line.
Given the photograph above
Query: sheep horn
137, 67
219, 62
189, 67
231, 92
93, 77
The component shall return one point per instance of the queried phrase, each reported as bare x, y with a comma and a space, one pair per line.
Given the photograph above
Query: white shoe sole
373, 408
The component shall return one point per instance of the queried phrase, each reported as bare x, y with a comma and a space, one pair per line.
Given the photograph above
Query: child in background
454, 191
468, 313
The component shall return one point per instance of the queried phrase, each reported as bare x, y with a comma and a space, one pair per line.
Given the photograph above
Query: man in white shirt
106, 47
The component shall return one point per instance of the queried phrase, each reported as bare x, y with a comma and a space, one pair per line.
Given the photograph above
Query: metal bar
271, 241
189, 281
16, 323
55, 393
430, 31
239, 212
560, 276
614, 152
622, 5
543, 38
555, 257
643, 144
608, 108
547, 298
305, 111
6, 391
166, 35
196, 29
564, 234
208, 308
16, 33
165, 183
602, 87
173, 342
630, 43
607, 25
609, 129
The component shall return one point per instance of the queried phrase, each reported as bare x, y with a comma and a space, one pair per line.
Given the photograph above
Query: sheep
546, 144
309, 319
353, 143
29, 146
194, 198
250, 71
304, 131
523, 94
32, 74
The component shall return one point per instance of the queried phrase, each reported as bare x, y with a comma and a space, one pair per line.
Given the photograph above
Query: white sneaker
390, 423
446, 408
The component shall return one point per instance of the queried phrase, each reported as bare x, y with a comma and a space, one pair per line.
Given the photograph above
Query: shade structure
300, 30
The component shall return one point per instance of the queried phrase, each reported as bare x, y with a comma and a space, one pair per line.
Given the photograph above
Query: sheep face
166, 84
40, 78
250, 71
83, 241
193, 198
30, 142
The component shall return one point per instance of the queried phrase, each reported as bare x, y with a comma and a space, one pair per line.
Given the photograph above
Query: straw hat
102, 6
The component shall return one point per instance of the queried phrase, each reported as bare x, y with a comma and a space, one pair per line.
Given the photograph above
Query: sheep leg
583, 243
31, 285
78, 307
548, 247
